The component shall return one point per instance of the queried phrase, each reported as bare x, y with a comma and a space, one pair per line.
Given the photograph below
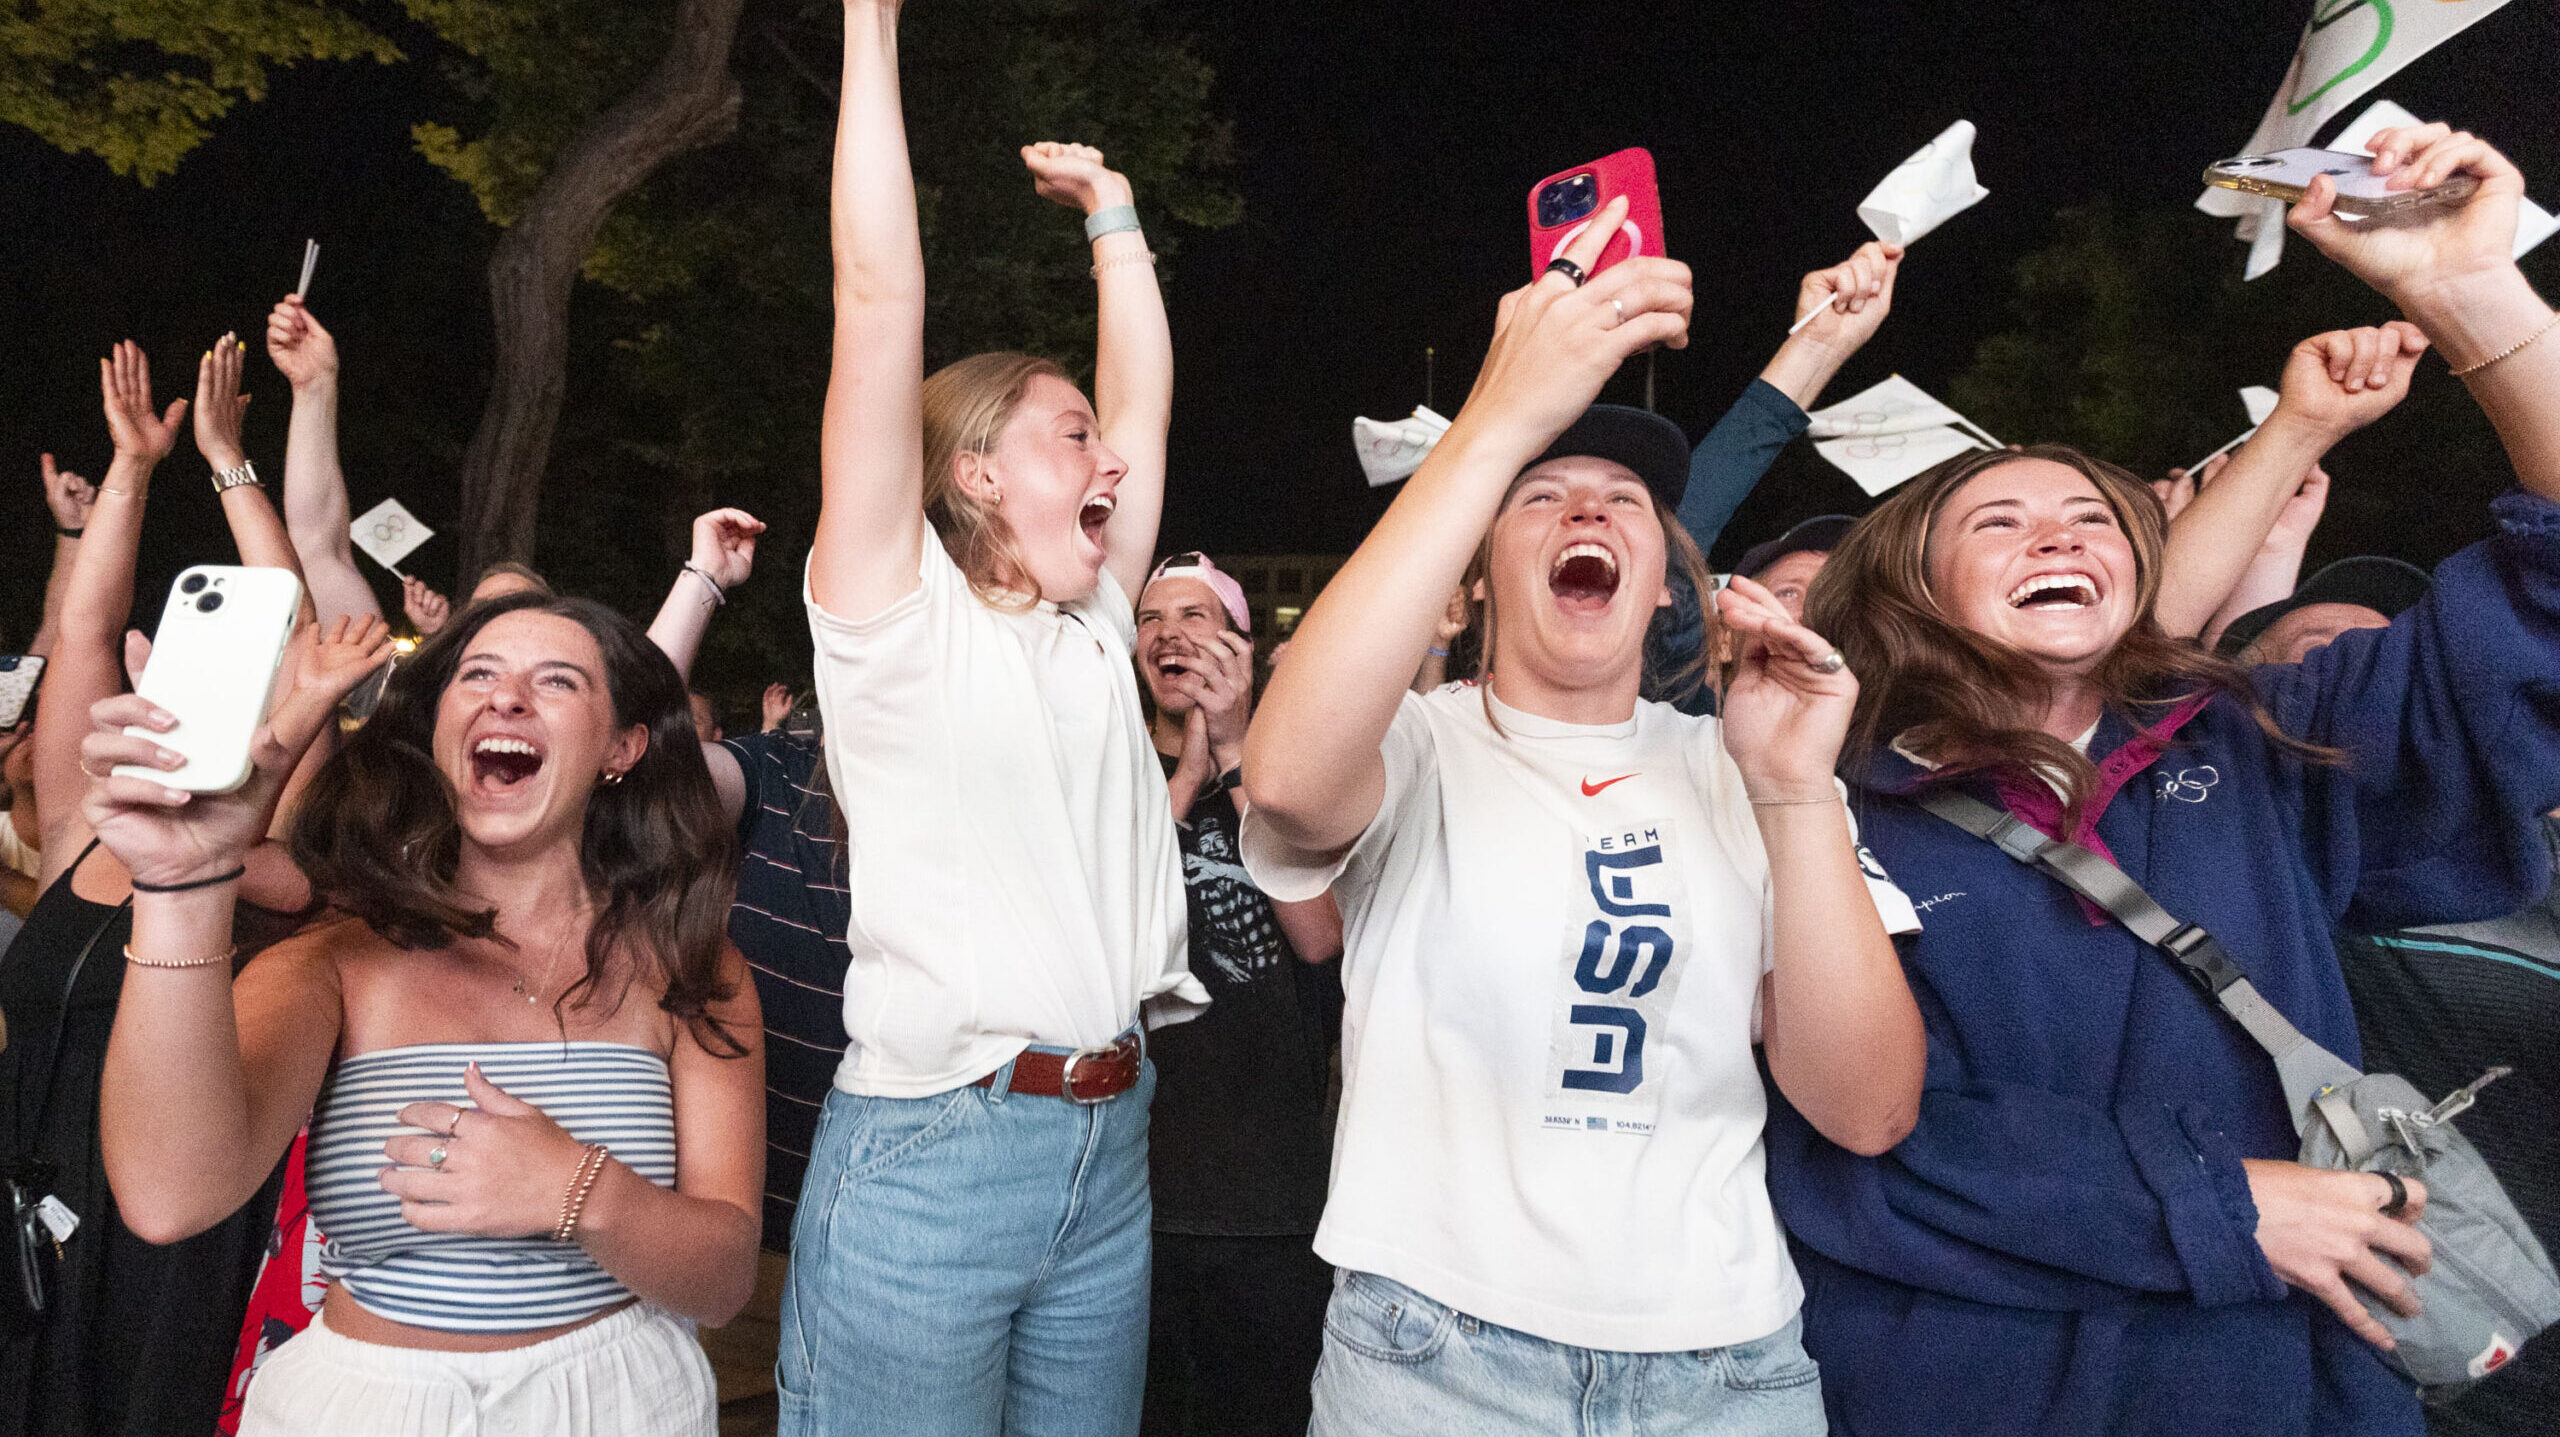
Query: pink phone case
1557, 219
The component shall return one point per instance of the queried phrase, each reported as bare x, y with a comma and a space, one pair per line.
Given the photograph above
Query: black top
2438, 1005
789, 920
1239, 1140
139, 1338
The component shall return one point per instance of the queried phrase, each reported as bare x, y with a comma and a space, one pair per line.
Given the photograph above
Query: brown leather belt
1086, 1076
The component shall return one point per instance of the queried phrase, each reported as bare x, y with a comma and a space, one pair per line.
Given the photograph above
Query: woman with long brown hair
2097, 1225
525, 1005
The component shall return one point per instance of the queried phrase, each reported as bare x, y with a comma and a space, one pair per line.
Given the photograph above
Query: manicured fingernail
169, 758
162, 718
174, 795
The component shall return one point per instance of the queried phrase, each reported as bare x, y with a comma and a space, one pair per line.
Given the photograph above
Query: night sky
1384, 153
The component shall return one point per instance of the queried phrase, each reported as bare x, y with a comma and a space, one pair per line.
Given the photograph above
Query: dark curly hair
377, 835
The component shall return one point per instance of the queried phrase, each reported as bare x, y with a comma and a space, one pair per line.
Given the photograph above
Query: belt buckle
1067, 1076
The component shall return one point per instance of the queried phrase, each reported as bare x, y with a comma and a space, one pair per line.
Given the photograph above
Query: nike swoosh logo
1592, 790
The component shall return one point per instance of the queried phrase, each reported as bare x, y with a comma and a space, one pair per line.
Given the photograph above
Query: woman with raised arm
970, 1254
316, 510
2098, 1226
1569, 915
526, 1007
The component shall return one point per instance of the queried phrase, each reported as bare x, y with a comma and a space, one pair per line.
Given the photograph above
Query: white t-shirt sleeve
1892, 905
1295, 875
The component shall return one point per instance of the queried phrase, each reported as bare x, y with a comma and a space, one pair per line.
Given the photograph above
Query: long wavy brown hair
1969, 702
377, 835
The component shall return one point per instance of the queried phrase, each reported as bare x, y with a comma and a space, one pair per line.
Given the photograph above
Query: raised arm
871, 450
2277, 570
2333, 385
724, 554
1848, 302
256, 529
1133, 351
87, 661
2455, 277
316, 511
70, 497
1312, 764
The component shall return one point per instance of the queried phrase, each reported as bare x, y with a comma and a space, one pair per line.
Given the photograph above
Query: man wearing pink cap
1239, 1140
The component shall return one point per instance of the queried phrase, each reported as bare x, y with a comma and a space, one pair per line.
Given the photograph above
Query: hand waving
303, 352
2347, 378
724, 544
1784, 718
427, 609
220, 406
340, 655
506, 1166
1854, 295
141, 432
1074, 176
2400, 255
67, 494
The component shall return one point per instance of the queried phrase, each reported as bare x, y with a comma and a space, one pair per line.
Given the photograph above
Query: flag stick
1810, 315
310, 258
2225, 449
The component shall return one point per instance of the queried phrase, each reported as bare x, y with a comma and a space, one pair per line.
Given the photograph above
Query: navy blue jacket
2065, 1243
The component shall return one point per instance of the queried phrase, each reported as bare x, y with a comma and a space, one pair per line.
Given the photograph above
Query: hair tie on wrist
1437, 653
70, 533
1118, 219
719, 596
141, 887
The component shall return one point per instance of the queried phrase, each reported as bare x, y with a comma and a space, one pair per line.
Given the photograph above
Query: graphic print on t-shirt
1621, 973
1231, 922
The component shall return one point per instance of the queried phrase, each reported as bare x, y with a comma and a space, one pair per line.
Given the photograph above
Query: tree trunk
690, 100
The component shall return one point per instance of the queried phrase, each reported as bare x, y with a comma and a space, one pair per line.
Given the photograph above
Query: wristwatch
247, 473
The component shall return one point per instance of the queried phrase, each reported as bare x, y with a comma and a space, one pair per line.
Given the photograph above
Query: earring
609, 778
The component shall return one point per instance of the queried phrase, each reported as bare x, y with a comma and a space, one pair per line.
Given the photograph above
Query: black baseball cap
1640, 439
2386, 586
1818, 535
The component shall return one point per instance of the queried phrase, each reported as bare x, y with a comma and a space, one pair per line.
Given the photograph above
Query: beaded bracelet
1145, 257
574, 1201
2467, 372
140, 962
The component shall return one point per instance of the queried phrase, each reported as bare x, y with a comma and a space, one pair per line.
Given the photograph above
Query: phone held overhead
214, 664
2287, 175
1562, 204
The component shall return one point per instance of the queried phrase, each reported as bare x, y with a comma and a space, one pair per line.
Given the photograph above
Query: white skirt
637, 1373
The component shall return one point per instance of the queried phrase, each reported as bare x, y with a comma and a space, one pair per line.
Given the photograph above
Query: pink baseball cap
1199, 566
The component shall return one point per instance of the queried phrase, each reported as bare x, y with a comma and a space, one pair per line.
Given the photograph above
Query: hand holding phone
214, 663
2287, 175
1562, 204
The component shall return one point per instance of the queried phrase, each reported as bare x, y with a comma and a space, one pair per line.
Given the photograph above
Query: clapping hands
220, 406
142, 433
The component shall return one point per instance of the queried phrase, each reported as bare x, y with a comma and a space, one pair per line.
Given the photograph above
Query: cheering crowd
1563, 993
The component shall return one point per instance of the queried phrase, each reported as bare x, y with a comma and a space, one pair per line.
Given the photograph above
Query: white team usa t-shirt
1553, 944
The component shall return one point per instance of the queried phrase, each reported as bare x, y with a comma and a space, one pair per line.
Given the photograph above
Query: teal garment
1722, 470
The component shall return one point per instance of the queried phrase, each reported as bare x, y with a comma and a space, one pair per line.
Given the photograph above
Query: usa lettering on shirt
1622, 962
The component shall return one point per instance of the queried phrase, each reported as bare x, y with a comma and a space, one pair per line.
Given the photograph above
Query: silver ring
1831, 663
454, 1128
436, 1156
1618, 308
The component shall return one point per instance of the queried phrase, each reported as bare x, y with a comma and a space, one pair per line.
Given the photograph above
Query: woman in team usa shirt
1569, 914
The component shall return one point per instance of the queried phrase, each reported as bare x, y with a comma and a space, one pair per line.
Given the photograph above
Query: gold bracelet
2510, 349
573, 1203
139, 962
1145, 257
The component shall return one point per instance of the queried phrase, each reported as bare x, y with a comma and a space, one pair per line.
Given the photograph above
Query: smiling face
526, 728
2029, 554
1575, 574
1053, 484
1175, 616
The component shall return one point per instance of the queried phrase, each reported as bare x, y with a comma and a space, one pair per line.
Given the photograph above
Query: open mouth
501, 762
1584, 575
2054, 593
1095, 514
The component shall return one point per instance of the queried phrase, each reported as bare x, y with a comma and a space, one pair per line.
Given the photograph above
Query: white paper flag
1926, 190
2347, 48
1886, 434
389, 533
1393, 450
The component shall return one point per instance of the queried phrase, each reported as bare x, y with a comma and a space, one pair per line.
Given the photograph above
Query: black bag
2491, 1286
34, 1254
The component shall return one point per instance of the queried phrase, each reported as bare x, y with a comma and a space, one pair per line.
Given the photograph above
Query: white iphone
214, 665
2287, 174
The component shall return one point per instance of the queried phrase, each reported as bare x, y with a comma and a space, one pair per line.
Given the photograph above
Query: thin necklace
533, 995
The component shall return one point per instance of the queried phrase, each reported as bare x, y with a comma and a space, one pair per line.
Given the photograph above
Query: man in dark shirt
1240, 1137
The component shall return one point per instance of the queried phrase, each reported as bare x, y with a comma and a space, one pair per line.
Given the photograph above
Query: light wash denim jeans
1397, 1364
970, 1263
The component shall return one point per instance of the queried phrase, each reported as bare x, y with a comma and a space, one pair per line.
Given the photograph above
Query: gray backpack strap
2310, 1073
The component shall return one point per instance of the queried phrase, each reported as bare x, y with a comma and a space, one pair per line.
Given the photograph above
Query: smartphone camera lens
1567, 200
208, 603
193, 583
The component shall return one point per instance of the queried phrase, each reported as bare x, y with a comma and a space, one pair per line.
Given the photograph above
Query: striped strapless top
610, 1093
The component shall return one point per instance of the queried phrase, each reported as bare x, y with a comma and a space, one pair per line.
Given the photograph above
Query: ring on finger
454, 1128
1830, 663
1618, 308
1569, 269
436, 1156
2399, 1194
93, 773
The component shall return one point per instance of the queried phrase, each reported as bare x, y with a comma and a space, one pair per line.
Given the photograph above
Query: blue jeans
1397, 1364
970, 1263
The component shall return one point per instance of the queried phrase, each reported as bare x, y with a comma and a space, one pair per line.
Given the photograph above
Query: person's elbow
720, 1300
157, 1216
1872, 1129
